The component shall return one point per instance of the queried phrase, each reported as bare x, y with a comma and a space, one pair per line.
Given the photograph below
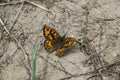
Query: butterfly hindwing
67, 42
48, 45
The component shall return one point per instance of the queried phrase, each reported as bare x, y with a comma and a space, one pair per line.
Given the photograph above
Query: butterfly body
54, 42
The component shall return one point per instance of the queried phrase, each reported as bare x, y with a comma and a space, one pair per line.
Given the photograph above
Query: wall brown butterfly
54, 42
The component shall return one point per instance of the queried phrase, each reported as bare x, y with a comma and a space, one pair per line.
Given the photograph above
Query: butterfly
54, 42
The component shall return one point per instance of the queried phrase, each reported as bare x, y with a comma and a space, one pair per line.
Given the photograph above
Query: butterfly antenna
66, 33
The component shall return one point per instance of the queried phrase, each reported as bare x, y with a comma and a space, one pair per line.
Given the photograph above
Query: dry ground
96, 20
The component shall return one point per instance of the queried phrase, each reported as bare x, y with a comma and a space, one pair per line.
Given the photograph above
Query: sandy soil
95, 22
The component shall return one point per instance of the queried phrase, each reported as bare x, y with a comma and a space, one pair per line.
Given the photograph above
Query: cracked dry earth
93, 23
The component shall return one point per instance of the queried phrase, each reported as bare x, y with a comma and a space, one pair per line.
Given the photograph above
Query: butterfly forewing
50, 33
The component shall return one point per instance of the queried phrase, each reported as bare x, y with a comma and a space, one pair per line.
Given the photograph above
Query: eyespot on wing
50, 33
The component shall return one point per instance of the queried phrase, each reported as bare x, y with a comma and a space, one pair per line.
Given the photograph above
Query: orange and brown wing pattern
50, 34
67, 42
52, 37
54, 42
48, 45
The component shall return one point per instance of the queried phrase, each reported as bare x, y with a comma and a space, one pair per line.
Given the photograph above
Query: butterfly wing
67, 42
50, 34
48, 45
52, 38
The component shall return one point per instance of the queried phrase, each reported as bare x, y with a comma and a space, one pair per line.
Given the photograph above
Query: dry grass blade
16, 41
93, 24
26, 1
16, 17
107, 12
